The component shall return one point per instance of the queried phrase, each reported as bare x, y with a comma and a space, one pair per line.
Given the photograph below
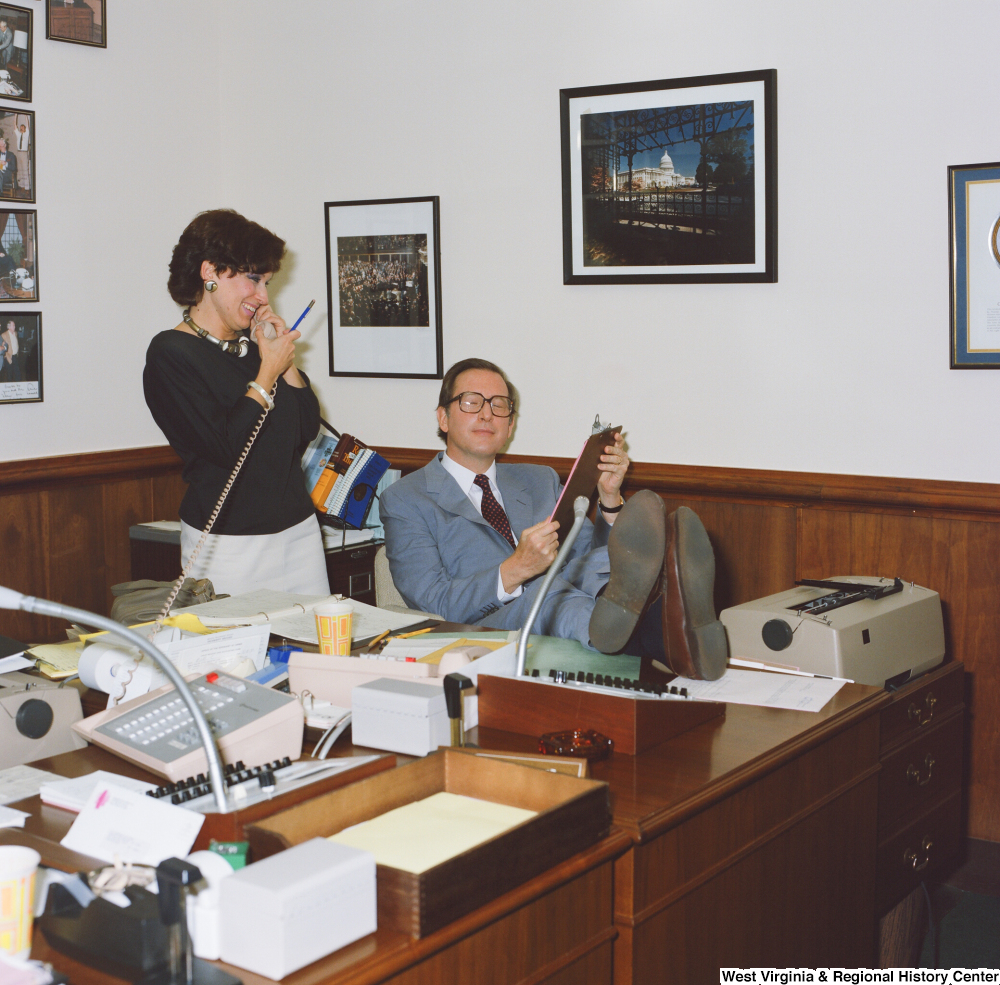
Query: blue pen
304, 313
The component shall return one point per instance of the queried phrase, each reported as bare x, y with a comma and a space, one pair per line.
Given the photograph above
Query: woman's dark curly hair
228, 241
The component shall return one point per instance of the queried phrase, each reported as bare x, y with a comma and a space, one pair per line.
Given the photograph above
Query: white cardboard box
291, 909
399, 716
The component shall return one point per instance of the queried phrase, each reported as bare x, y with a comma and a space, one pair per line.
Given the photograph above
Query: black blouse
197, 395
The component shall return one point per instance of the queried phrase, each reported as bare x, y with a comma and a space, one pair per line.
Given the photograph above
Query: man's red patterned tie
493, 512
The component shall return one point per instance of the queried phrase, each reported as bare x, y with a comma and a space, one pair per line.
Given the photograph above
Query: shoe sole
698, 647
635, 549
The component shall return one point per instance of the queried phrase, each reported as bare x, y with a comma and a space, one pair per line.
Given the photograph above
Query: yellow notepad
57, 660
418, 836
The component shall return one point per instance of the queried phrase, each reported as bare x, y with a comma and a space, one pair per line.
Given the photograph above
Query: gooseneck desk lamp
9, 599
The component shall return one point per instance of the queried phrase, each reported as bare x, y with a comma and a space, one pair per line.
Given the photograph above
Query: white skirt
289, 561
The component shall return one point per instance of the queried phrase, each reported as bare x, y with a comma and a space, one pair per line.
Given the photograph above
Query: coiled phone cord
165, 611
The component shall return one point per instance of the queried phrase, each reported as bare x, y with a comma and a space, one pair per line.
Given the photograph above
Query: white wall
291, 105
127, 150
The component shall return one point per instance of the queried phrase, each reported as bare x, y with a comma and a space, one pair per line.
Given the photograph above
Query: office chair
386, 594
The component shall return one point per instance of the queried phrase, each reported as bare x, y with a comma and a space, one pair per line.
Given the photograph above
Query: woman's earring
210, 286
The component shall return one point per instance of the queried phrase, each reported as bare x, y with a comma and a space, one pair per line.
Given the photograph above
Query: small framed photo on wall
20, 357
16, 34
974, 248
77, 21
17, 155
383, 268
18, 255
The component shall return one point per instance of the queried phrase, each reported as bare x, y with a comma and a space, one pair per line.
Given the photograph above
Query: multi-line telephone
249, 722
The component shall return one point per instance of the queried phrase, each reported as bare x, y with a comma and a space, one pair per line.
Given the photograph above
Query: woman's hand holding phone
270, 324
277, 349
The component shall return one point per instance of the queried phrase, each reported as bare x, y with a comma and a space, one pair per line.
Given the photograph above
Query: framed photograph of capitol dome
671, 181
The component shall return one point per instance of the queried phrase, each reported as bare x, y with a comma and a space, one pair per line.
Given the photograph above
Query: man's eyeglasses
472, 403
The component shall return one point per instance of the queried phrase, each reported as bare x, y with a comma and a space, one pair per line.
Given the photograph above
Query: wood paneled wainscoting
64, 527
65, 523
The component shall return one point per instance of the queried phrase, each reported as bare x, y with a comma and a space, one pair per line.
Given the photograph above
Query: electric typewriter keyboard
234, 773
247, 786
614, 684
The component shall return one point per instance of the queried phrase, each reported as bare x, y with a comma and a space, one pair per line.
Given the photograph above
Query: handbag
342, 474
141, 601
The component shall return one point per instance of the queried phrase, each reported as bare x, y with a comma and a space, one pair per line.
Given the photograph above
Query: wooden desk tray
531, 707
572, 815
232, 826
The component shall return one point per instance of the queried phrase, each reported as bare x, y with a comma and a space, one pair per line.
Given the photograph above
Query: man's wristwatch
612, 509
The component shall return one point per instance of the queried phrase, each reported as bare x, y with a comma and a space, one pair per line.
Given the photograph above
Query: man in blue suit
469, 539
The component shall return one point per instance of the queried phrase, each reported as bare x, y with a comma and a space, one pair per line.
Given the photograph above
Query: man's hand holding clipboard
602, 466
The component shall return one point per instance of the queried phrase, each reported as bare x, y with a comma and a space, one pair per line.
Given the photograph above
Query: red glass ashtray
583, 743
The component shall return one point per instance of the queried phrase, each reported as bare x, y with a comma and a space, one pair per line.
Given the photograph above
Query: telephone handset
266, 328
270, 333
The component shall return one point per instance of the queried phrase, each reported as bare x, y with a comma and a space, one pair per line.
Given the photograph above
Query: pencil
381, 636
416, 632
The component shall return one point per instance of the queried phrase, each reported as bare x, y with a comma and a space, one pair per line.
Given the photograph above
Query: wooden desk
753, 843
556, 929
748, 842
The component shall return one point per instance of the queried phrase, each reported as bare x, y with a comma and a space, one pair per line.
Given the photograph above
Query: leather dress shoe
695, 641
635, 549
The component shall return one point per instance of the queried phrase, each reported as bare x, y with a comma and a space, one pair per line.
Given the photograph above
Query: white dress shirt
466, 480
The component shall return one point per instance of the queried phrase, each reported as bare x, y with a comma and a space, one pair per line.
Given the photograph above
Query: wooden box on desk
529, 706
233, 826
572, 814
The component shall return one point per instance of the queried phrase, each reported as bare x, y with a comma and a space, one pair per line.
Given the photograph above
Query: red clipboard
582, 479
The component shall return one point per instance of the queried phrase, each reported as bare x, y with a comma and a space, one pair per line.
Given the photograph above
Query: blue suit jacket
444, 556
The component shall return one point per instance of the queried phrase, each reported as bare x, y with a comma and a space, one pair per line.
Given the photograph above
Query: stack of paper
21, 782
118, 823
73, 794
9, 818
334, 537
57, 660
291, 616
427, 832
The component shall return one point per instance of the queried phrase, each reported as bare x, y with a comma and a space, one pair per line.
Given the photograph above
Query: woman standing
208, 386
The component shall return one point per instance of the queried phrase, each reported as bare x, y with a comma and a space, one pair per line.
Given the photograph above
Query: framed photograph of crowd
77, 21
974, 254
17, 155
16, 35
20, 357
18, 255
672, 181
383, 268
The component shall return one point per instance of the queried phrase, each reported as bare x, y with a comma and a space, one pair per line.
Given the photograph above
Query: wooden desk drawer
682, 858
918, 851
924, 769
929, 700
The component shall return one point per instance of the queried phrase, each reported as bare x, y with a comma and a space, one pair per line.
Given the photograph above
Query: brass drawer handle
916, 714
913, 774
911, 858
